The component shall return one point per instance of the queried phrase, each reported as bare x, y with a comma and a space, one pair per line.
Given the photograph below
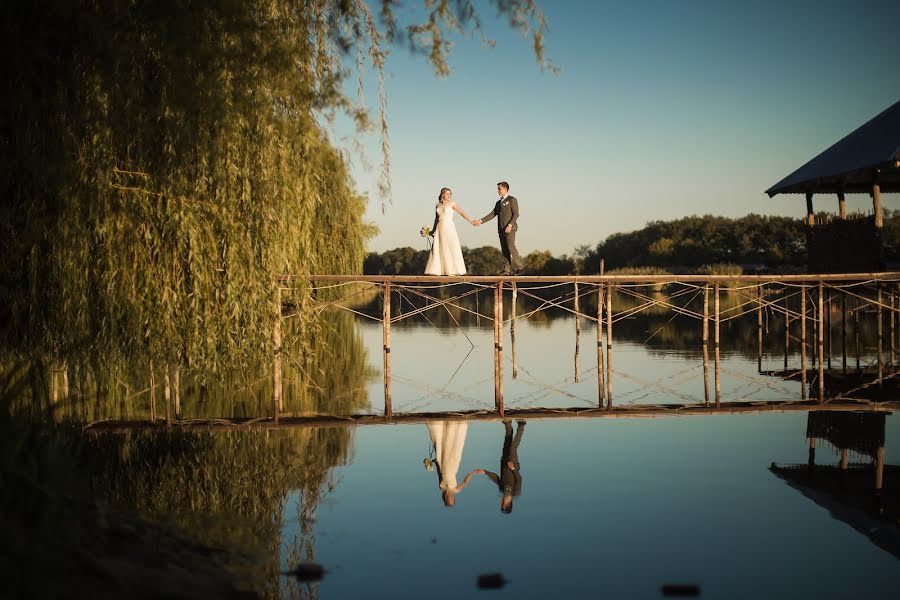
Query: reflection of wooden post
498, 373
601, 383
577, 331
277, 404
893, 303
759, 329
787, 329
810, 215
512, 330
152, 394
803, 341
706, 343
842, 206
879, 468
718, 387
843, 332
876, 204
609, 333
821, 324
386, 335
845, 459
811, 460
167, 394
878, 311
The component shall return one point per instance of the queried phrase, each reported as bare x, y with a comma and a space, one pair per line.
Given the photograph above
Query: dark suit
507, 213
510, 480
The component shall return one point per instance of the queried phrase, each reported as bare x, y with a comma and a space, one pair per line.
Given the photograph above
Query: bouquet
425, 231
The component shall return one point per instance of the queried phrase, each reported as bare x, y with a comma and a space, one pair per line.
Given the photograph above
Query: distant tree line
754, 242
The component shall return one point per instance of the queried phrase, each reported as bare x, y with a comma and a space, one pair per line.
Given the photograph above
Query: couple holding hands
446, 253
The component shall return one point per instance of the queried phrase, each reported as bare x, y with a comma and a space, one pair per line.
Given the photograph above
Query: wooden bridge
807, 299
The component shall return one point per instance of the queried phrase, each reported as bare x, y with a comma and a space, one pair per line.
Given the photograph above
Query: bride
446, 254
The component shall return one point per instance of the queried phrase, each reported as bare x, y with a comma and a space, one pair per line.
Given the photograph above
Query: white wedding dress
448, 438
446, 254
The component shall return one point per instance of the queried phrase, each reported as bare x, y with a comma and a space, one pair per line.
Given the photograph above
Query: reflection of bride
448, 438
446, 254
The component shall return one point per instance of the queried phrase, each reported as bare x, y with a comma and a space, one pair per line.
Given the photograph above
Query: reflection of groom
507, 212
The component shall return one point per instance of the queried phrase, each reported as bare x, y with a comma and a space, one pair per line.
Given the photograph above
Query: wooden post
386, 337
803, 341
876, 203
880, 318
609, 333
843, 332
176, 391
811, 460
821, 324
601, 383
828, 327
718, 387
498, 349
893, 329
277, 389
856, 331
879, 468
845, 459
512, 330
842, 207
787, 330
759, 327
706, 343
810, 215
152, 394
577, 331
167, 394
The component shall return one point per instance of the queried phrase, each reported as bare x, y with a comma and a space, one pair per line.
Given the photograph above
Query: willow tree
163, 163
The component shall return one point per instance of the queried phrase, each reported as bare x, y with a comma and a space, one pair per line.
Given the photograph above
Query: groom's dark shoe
503, 272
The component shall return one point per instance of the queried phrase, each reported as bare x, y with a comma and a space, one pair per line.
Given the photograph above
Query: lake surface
606, 507
732, 505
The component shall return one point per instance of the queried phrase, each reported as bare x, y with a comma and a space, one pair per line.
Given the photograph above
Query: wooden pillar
842, 207
879, 468
810, 215
856, 331
880, 317
176, 391
845, 459
167, 394
843, 332
277, 389
577, 331
386, 349
609, 333
893, 327
716, 347
759, 327
787, 329
876, 203
803, 341
512, 330
498, 349
706, 343
811, 459
601, 383
828, 328
152, 393
821, 340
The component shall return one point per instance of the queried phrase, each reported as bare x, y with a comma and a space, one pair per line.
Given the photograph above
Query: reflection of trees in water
657, 325
325, 372
227, 490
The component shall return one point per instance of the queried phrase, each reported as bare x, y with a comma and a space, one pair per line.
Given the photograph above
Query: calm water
605, 507
600, 507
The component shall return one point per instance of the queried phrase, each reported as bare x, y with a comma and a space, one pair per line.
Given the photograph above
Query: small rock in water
307, 571
491, 581
680, 590
434, 540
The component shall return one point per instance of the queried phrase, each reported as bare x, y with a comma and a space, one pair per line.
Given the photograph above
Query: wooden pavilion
866, 161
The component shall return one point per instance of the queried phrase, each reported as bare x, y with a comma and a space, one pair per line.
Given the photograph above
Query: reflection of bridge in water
808, 308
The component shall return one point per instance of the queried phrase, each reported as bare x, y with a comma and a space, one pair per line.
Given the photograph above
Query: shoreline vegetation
695, 244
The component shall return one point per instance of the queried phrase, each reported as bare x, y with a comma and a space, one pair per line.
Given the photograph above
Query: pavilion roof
850, 164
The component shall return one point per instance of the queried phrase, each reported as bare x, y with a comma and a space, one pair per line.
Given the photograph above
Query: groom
507, 212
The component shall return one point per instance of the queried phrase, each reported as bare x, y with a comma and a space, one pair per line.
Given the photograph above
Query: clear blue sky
662, 109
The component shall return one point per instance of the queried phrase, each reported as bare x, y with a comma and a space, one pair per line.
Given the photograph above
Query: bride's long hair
441, 195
